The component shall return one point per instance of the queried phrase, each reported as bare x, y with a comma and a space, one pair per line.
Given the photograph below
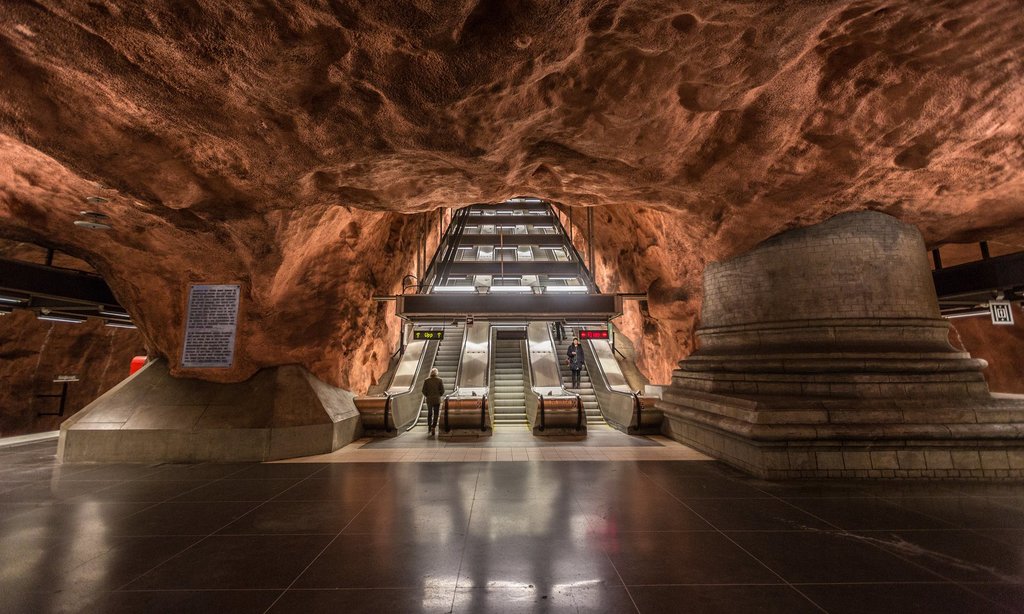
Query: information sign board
593, 334
211, 326
428, 335
1002, 312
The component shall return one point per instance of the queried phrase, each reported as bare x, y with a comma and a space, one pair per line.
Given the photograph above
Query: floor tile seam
745, 551
880, 548
899, 582
465, 543
618, 574
803, 511
924, 514
324, 549
982, 596
211, 534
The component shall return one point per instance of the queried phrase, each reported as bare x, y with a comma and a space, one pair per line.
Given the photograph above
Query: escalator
446, 361
586, 389
509, 383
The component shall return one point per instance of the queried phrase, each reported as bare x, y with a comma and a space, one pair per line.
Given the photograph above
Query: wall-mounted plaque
211, 326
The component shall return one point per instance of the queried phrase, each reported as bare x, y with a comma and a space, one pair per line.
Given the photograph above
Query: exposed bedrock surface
283, 145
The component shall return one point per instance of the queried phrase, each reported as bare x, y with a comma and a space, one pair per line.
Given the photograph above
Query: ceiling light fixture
53, 317
94, 214
113, 314
91, 225
120, 325
96, 200
13, 299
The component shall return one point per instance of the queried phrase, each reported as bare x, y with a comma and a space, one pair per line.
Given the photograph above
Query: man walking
575, 356
433, 390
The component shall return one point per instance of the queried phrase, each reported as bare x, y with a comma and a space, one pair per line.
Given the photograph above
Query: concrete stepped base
281, 412
823, 354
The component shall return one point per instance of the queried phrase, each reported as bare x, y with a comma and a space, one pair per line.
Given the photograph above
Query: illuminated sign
594, 334
428, 335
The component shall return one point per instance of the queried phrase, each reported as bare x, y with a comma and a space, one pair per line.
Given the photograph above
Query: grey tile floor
651, 536
598, 436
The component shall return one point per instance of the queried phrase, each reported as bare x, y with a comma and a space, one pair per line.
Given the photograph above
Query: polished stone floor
540, 536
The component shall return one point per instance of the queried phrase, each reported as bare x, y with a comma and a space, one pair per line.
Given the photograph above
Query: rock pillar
822, 354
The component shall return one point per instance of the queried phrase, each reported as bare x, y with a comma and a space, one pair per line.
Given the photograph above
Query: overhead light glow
96, 200
12, 299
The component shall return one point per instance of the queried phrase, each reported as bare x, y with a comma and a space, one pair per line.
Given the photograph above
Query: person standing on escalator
433, 390
575, 356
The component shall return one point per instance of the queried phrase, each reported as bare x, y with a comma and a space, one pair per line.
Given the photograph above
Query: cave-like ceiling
277, 143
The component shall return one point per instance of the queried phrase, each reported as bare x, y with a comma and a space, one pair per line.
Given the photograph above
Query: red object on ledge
137, 363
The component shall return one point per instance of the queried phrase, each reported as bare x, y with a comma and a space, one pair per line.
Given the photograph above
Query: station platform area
509, 443
540, 535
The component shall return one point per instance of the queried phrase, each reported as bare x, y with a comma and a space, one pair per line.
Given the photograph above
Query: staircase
509, 400
586, 389
446, 361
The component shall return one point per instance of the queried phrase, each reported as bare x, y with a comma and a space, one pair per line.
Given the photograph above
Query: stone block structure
822, 354
281, 412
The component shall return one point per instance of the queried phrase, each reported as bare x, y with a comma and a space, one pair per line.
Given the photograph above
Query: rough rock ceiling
280, 143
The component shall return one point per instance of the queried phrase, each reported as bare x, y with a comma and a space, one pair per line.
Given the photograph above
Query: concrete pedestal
822, 354
280, 412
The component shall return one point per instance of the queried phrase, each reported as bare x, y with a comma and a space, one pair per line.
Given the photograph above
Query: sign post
63, 380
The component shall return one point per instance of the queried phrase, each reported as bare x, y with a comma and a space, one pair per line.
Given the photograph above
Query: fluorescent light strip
443, 289
114, 314
12, 300
565, 289
58, 318
511, 289
120, 325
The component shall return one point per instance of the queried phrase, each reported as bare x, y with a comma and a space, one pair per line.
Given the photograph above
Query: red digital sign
594, 334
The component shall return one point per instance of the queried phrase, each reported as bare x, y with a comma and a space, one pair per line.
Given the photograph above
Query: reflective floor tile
822, 556
866, 514
697, 557
552, 599
763, 599
236, 561
176, 602
386, 560
519, 561
901, 598
366, 601
296, 517
754, 515
239, 490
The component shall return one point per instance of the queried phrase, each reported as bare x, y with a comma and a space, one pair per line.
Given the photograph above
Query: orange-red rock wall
34, 352
280, 145
1001, 346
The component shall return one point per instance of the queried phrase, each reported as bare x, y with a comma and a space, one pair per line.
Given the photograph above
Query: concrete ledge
885, 453
282, 412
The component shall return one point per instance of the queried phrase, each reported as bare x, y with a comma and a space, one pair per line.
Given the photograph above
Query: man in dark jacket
433, 390
575, 355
